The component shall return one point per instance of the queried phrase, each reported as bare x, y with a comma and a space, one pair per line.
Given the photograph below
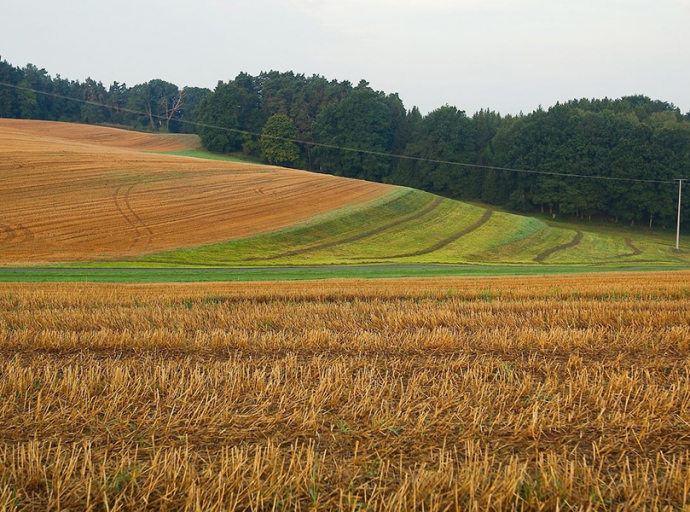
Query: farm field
88, 196
86, 134
297, 273
80, 193
523, 393
409, 226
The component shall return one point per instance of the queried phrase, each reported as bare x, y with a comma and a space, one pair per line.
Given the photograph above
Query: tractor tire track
446, 241
27, 234
149, 232
121, 211
15, 233
7, 233
354, 238
579, 235
635, 250
124, 208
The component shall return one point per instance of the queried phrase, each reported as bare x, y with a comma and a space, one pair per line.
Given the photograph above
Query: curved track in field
124, 208
446, 241
579, 235
360, 236
635, 250
14, 233
7, 233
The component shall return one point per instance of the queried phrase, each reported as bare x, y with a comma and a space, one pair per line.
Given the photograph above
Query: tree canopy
162, 104
276, 147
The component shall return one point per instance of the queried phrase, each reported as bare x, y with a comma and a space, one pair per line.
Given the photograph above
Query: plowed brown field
102, 136
73, 192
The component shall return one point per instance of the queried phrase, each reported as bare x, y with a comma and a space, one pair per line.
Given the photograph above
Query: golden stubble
530, 393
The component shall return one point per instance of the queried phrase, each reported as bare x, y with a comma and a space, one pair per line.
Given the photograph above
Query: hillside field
87, 196
80, 193
412, 227
514, 393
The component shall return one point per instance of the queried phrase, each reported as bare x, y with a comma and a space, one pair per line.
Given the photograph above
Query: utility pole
680, 190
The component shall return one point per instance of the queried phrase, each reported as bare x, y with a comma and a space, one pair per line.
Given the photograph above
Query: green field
207, 155
408, 227
186, 275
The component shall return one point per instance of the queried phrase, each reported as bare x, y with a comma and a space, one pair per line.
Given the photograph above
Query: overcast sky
508, 55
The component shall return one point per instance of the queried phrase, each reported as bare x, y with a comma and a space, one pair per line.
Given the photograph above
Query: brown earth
74, 192
102, 136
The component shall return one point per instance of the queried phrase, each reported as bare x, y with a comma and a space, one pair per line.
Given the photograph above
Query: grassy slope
410, 226
402, 227
207, 155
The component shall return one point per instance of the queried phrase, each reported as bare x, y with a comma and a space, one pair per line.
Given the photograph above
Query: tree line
631, 137
163, 105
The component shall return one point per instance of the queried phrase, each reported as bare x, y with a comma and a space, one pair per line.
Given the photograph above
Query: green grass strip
56, 275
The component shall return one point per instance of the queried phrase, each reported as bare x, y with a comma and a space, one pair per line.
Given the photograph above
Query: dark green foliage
232, 105
27, 103
9, 101
365, 120
216, 112
248, 102
632, 137
93, 92
191, 99
160, 101
164, 107
446, 134
275, 149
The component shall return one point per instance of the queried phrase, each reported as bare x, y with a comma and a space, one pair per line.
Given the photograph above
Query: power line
341, 148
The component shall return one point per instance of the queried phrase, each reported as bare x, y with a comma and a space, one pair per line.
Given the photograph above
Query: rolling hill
412, 227
80, 193
85, 194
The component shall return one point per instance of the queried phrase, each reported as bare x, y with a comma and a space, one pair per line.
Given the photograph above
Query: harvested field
523, 393
100, 136
79, 193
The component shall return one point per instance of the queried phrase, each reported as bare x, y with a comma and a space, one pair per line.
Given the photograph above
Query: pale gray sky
509, 55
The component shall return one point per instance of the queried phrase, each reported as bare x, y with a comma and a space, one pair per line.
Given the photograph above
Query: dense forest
163, 105
631, 137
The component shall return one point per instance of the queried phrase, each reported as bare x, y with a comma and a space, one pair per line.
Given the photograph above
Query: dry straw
549, 393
